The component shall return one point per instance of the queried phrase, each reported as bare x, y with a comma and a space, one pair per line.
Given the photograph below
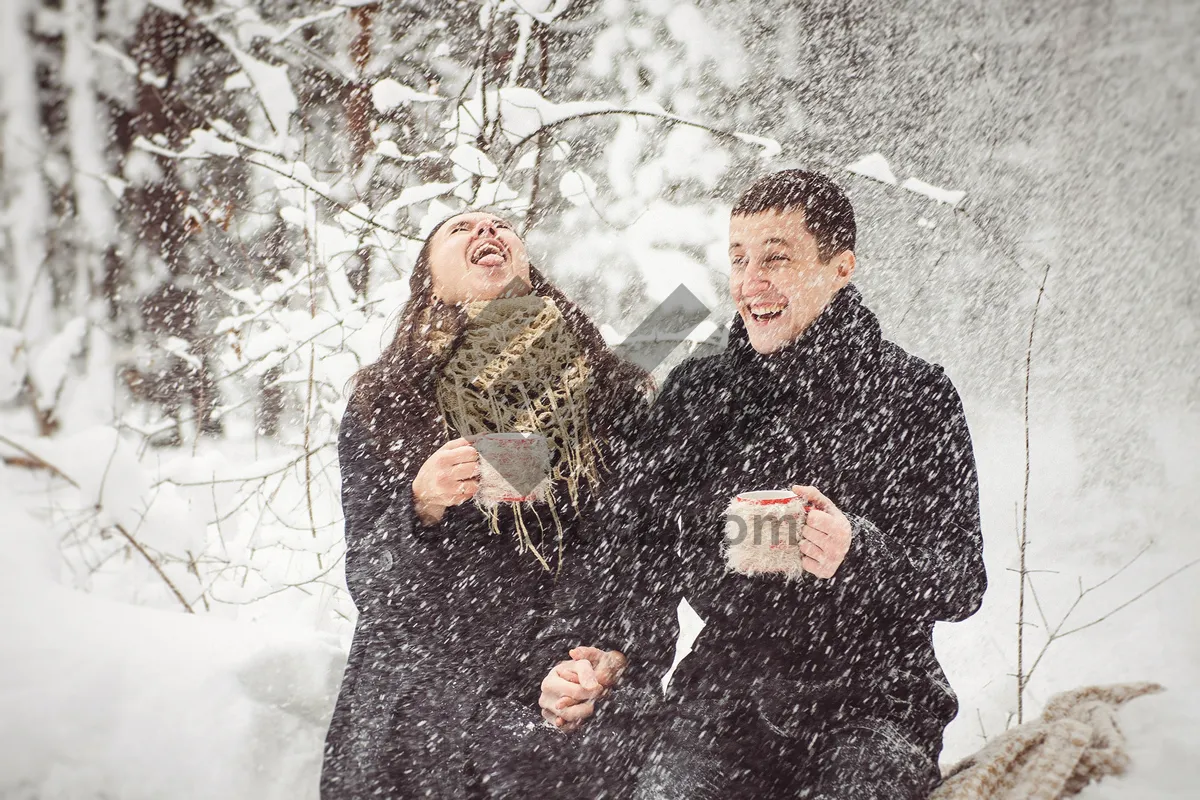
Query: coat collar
829, 357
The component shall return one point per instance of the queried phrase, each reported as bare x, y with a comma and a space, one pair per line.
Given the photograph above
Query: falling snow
209, 213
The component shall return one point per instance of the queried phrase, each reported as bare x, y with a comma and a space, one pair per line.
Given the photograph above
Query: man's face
777, 279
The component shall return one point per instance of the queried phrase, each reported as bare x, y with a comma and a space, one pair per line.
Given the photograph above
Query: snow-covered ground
101, 698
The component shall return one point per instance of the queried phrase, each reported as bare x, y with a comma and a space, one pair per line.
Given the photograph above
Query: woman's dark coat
439, 696
882, 434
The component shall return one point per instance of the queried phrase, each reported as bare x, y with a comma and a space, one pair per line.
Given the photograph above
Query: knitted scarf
1076, 741
519, 369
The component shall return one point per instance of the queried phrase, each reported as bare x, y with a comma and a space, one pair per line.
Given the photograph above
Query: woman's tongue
490, 260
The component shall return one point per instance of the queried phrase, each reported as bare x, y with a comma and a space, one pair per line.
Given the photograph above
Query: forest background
208, 209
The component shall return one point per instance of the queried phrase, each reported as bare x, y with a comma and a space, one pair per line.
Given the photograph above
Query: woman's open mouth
489, 253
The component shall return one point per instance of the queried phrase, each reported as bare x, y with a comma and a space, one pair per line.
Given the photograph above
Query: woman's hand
448, 477
571, 689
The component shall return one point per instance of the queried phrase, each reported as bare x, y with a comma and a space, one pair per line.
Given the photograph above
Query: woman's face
477, 256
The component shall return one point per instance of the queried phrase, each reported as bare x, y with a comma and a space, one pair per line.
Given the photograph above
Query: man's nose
754, 276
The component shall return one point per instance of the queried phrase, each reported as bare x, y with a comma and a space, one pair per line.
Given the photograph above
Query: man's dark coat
882, 434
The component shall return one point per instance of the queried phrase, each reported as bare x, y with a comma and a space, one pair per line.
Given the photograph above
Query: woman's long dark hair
395, 395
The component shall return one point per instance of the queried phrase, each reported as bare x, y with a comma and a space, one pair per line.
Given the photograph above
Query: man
825, 686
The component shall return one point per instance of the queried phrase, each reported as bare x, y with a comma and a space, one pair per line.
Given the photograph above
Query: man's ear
845, 262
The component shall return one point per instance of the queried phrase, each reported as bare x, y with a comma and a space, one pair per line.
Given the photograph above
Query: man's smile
764, 313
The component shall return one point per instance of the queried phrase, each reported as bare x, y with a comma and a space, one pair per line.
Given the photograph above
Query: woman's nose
485, 228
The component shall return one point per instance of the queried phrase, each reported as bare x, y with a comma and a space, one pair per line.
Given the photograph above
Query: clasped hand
571, 689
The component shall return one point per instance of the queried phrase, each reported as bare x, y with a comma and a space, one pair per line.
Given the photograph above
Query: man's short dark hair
827, 211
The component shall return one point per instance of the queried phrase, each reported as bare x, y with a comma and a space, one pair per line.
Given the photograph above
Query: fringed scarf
519, 369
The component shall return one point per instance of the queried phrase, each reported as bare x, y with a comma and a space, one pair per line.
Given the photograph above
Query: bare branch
250, 478
1022, 679
1131, 600
610, 112
119, 528
1127, 565
1038, 603
1058, 632
39, 462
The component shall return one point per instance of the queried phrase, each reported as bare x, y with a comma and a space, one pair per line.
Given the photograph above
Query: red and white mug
763, 530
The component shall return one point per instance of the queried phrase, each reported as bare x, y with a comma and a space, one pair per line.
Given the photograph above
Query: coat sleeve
378, 508
918, 548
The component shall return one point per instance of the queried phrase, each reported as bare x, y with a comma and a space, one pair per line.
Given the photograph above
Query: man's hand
826, 534
571, 689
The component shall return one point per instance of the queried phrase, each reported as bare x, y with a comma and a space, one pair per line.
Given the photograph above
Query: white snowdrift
106, 700
1161, 733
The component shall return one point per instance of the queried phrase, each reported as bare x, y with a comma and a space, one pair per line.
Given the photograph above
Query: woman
440, 691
